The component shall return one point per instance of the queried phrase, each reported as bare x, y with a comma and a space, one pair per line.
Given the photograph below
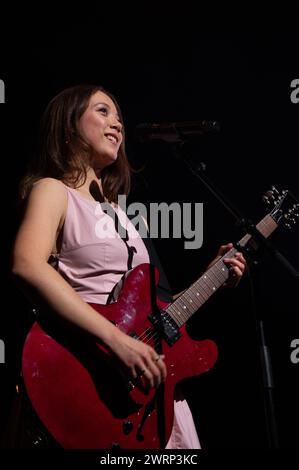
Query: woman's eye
103, 110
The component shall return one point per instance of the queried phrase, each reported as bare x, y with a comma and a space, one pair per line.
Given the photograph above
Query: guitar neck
201, 290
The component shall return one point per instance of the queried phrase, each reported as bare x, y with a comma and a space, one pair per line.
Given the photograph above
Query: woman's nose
116, 125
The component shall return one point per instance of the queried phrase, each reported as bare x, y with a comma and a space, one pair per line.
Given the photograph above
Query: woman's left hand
237, 265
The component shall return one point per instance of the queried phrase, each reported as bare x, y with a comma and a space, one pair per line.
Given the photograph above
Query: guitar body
82, 394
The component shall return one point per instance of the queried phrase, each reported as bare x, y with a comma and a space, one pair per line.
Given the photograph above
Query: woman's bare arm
34, 242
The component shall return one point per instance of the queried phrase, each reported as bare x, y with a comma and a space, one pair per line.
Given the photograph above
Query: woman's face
100, 127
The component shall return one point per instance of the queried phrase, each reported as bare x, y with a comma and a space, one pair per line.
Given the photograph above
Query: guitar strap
163, 288
164, 293
118, 226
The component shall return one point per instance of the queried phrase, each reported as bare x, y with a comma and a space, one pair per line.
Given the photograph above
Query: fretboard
201, 290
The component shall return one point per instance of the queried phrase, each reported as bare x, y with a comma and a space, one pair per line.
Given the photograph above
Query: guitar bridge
166, 326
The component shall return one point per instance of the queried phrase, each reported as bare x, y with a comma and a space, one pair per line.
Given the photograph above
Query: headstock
285, 207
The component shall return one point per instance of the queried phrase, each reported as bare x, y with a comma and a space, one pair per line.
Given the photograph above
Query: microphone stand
198, 170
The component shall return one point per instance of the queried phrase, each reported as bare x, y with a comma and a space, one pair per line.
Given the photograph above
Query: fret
193, 298
197, 295
175, 314
180, 303
185, 307
192, 305
217, 271
201, 289
207, 285
215, 282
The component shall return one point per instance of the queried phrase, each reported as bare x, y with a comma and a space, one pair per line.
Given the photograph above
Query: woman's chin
103, 161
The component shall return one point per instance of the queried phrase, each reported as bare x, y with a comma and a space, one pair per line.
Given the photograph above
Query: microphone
174, 131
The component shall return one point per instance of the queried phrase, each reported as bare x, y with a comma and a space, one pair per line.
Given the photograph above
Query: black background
175, 66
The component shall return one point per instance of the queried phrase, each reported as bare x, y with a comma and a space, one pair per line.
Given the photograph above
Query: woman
57, 253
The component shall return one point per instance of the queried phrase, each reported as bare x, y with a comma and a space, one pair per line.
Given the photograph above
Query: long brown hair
64, 155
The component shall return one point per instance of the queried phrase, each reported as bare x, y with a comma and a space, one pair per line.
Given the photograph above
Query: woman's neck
93, 185
92, 176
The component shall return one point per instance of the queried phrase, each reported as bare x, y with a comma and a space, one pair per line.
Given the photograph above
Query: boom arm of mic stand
248, 226
199, 172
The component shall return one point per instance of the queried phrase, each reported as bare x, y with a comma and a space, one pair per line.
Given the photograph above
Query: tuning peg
290, 220
266, 200
294, 211
276, 194
282, 194
270, 198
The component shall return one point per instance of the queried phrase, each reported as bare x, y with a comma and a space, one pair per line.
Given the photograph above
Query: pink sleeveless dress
93, 259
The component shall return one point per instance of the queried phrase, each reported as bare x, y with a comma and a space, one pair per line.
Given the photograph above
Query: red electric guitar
80, 392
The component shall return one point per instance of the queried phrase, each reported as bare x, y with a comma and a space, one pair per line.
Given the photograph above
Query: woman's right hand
140, 358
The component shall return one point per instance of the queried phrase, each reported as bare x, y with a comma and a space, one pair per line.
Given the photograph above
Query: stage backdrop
246, 82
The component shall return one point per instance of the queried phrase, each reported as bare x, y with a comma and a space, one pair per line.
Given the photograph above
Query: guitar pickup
166, 326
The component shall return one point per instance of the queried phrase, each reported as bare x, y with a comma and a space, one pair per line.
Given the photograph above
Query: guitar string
147, 335
152, 333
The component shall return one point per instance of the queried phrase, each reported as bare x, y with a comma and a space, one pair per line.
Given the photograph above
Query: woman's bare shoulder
48, 194
49, 187
49, 183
